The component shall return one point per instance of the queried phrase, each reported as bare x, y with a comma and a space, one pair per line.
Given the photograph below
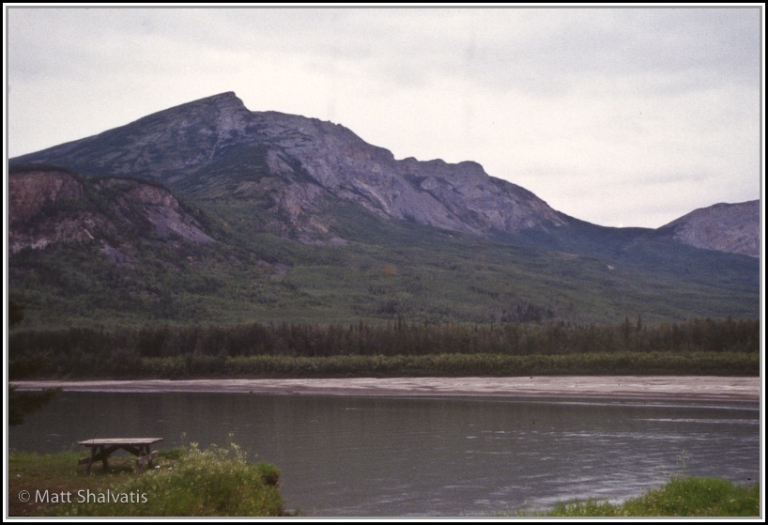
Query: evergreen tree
15, 312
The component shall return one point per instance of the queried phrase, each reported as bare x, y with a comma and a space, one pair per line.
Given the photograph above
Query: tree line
33, 352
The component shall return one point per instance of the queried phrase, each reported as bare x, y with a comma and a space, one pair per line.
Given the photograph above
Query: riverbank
608, 387
184, 482
681, 496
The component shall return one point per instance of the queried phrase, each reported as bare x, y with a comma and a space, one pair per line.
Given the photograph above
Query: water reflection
347, 456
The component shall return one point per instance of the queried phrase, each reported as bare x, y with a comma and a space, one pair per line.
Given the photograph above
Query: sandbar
607, 387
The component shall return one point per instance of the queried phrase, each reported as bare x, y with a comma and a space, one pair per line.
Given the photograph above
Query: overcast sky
617, 116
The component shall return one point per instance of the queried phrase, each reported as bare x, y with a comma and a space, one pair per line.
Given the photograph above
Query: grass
444, 365
53, 472
681, 496
449, 365
187, 482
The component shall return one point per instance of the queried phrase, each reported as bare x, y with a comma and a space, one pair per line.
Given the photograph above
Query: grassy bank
197, 366
188, 482
681, 496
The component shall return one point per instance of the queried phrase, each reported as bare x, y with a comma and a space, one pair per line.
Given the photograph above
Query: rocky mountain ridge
733, 228
299, 169
304, 162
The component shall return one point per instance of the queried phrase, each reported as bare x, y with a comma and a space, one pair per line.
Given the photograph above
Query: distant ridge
733, 228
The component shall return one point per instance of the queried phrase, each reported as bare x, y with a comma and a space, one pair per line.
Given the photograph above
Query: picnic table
101, 449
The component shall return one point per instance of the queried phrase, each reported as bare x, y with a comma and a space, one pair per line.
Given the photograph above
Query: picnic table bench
101, 449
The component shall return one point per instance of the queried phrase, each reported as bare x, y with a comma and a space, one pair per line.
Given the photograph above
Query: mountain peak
723, 227
223, 101
222, 112
227, 95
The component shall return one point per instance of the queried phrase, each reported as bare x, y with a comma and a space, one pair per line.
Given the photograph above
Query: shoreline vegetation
449, 365
681, 496
217, 481
697, 347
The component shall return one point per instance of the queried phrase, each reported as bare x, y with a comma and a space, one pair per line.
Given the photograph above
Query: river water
396, 456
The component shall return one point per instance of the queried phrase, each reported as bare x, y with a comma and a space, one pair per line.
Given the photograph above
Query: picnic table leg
144, 458
95, 451
87, 461
90, 462
98, 453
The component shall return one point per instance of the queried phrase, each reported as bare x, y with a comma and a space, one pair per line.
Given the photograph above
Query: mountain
210, 212
215, 147
733, 228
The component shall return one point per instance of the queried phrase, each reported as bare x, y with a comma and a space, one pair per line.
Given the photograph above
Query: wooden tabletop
118, 441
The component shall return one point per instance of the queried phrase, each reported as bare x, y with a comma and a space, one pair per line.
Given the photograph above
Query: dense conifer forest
700, 346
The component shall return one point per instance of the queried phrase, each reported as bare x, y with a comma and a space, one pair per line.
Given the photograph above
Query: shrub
681, 496
212, 482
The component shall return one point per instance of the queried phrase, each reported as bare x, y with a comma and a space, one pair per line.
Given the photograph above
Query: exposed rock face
29, 192
460, 197
731, 228
305, 161
159, 207
34, 198
48, 207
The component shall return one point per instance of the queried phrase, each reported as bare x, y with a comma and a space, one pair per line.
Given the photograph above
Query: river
427, 456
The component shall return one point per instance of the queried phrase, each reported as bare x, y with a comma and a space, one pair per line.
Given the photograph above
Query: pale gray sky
617, 116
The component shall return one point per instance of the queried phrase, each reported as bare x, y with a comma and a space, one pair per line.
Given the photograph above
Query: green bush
212, 482
681, 496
